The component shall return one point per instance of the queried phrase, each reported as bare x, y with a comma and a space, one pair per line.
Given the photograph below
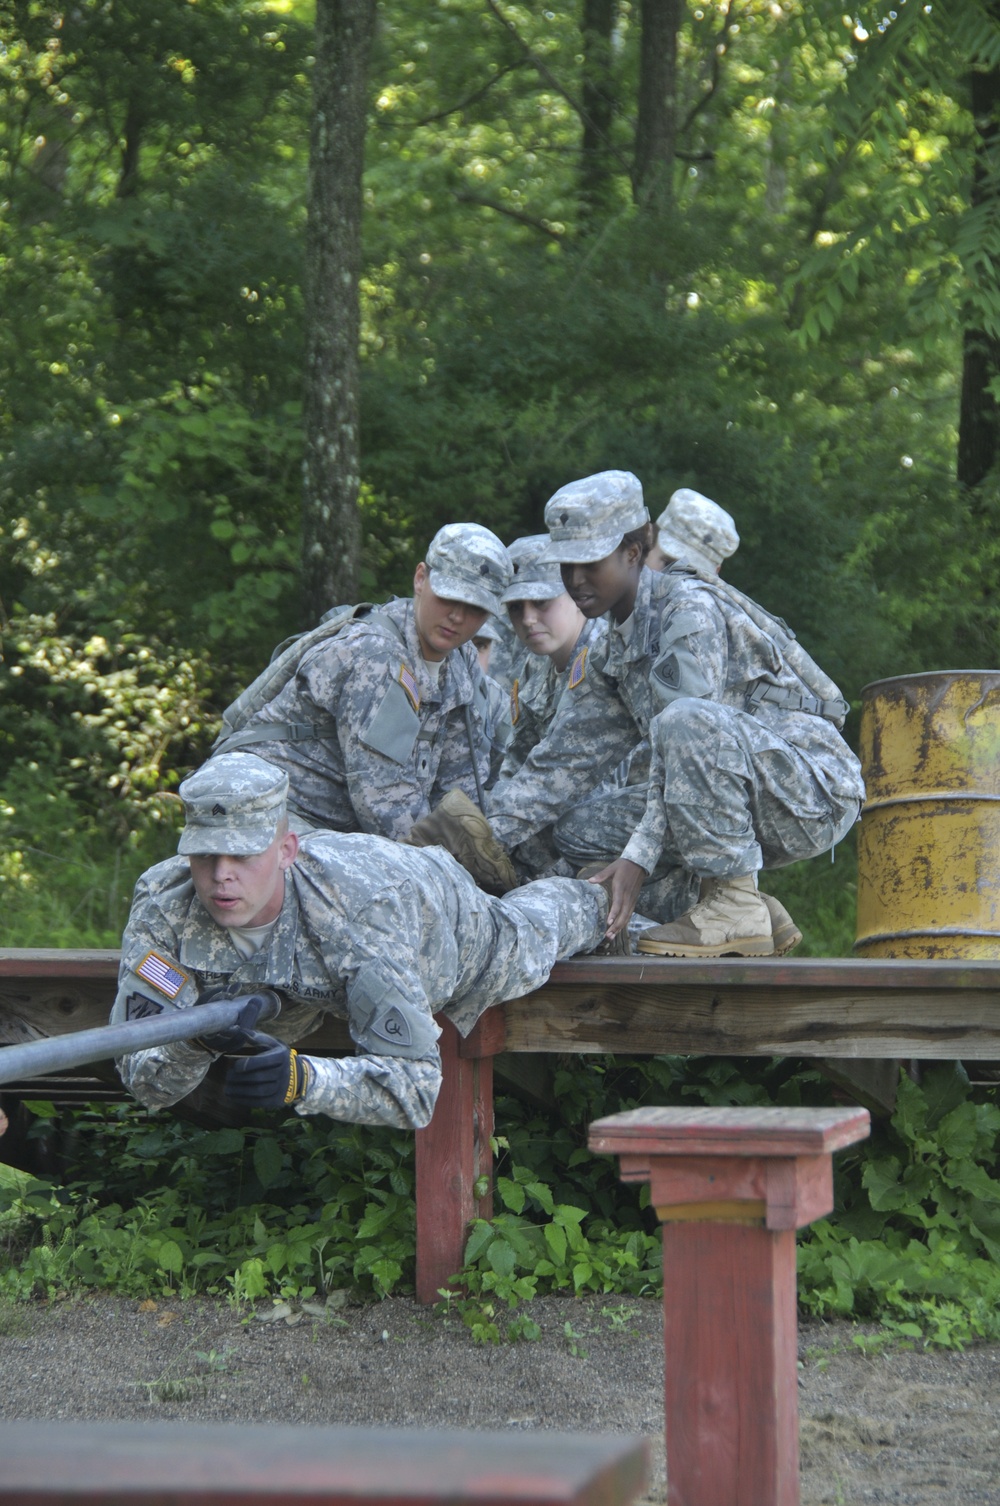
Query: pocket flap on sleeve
393, 729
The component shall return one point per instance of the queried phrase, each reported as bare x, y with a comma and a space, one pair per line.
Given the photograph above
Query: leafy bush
916, 1238
212, 1211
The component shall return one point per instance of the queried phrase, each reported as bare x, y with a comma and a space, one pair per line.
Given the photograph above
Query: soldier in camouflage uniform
371, 931
557, 638
748, 766
380, 720
693, 530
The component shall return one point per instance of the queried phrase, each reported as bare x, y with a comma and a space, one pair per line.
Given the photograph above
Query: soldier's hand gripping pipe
231, 1020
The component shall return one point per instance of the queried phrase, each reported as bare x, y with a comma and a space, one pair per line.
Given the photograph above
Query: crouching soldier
378, 711
371, 931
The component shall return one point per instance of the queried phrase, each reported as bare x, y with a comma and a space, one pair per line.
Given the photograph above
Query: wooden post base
730, 1370
731, 1186
454, 1154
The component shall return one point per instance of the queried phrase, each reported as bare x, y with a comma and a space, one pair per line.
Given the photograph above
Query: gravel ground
903, 1427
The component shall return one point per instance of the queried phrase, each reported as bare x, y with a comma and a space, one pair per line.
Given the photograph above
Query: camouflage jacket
400, 740
687, 639
371, 932
535, 696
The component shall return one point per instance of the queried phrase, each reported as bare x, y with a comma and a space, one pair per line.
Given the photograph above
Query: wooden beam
849, 1008
132, 1464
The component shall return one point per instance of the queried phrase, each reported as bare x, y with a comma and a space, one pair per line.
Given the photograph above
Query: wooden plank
849, 1008
760, 1020
160, 1464
738, 1131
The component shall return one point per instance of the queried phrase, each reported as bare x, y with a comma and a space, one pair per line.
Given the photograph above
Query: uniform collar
205, 946
455, 685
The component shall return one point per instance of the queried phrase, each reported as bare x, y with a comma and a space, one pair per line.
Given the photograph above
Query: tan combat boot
730, 920
462, 829
784, 932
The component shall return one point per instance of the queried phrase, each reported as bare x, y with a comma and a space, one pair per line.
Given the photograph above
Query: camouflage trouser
514, 942
727, 796
597, 831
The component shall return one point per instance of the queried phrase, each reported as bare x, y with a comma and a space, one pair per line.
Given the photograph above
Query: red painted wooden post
454, 1152
731, 1186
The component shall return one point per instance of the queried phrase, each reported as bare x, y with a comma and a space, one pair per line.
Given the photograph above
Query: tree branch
462, 104
545, 72
702, 103
483, 202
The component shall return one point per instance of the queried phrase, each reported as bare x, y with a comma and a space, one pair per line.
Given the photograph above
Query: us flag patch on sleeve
409, 684
161, 974
577, 673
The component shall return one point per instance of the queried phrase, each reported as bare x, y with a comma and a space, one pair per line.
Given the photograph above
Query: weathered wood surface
826, 1007
731, 1185
728, 1131
173, 1463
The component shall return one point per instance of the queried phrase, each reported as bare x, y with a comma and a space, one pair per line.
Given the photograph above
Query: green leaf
511, 1193
555, 1238
268, 1160
501, 1257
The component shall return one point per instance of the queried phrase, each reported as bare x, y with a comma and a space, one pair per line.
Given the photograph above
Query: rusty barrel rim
932, 674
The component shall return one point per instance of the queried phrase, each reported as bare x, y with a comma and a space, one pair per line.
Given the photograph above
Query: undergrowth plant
306, 1210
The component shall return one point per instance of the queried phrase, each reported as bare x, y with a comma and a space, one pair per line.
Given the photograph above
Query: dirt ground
907, 1427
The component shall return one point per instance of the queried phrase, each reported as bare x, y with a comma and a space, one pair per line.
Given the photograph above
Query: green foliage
213, 1211
300, 1212
916, 1236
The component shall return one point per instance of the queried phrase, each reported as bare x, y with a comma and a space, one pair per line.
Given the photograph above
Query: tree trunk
331, 527
597, 97
656, 129
978, 433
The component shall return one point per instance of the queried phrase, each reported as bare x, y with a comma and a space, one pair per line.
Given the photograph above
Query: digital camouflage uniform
377, 933
369, 737
719, 783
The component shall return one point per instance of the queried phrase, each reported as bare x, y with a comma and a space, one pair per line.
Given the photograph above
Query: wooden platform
858, 1017
825, 1007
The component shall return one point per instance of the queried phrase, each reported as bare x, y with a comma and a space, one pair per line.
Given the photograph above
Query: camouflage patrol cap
588, 519
468, 563
696, 531
488, 632
233, 803
534, 579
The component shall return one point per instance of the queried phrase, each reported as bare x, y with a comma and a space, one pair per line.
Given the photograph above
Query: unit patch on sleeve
409, 684
515, 704
578, 672
161, 974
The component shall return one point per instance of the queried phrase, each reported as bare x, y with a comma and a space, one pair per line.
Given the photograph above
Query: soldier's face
441, 624
547, 627
607, 585
244, 891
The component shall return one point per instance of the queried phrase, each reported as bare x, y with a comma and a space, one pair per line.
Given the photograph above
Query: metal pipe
56, 1053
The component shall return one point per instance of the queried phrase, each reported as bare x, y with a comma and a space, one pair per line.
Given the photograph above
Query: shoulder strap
235, 733
821, 697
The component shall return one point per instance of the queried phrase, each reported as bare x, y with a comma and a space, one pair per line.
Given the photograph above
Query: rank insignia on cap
515, 705
578, 671
161, 974
409, 684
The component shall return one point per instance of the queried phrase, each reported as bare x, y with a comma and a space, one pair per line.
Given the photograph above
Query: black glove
239, 1035
275, 1076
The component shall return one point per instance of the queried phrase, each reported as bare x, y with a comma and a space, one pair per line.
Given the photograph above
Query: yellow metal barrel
929, 843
